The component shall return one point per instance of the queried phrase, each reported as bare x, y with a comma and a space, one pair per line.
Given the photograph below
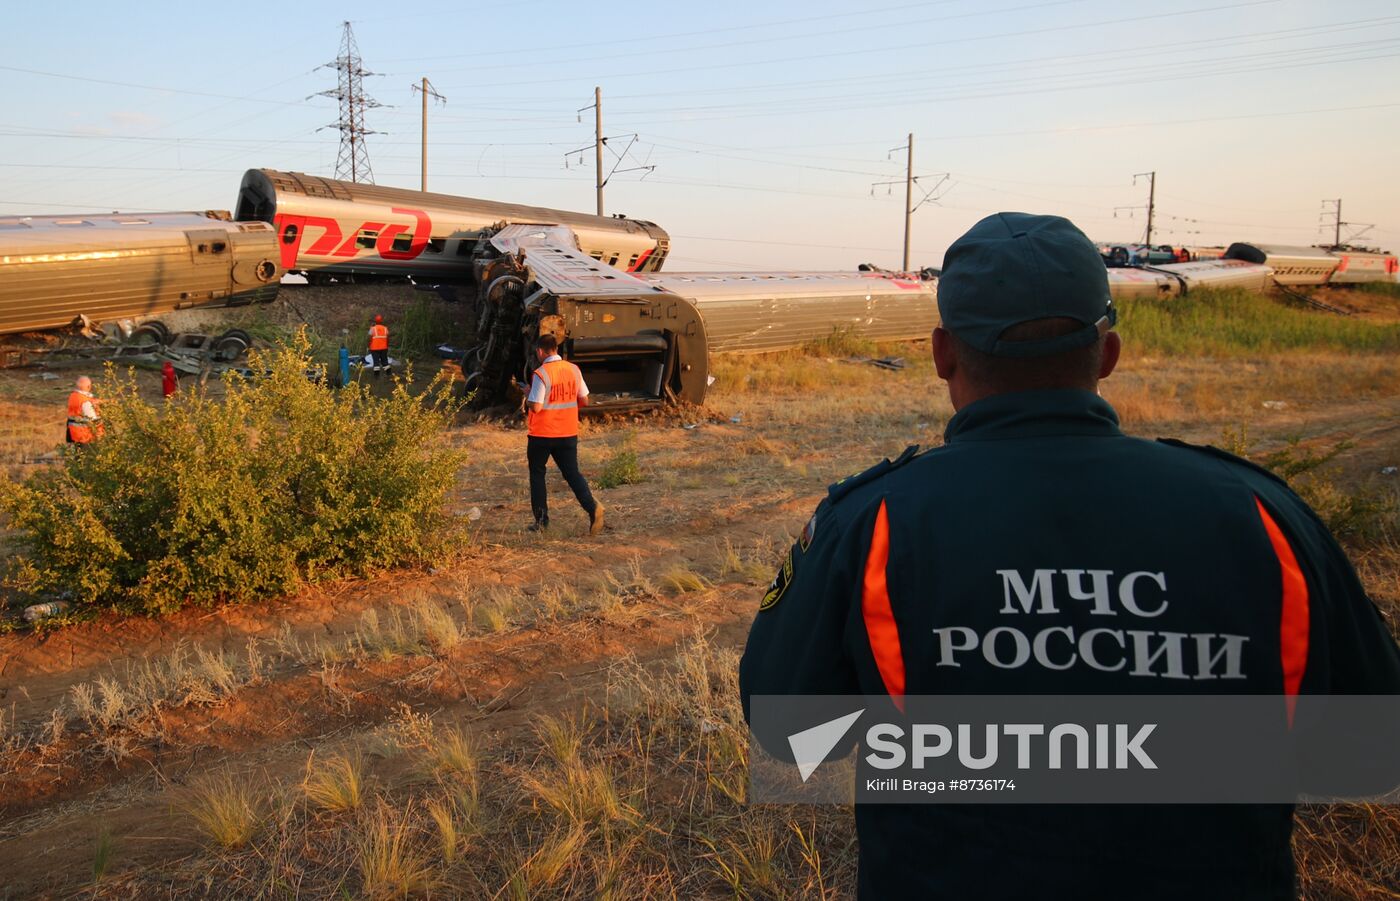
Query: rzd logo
291, 231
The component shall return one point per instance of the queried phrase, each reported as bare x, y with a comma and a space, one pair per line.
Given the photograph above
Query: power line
352, 162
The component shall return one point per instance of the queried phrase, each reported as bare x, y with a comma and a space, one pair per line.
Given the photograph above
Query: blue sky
769, 124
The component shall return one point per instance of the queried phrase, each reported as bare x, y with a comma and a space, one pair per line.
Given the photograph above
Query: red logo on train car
333, 243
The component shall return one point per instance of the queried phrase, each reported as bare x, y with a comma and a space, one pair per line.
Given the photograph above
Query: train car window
597, 255
437, 245
403, 243
219, 247
465, 248
613, 261
289, 234
632, 262
72, 222
133, 222
366, 238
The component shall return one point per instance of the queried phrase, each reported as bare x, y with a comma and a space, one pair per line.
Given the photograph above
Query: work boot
595, 520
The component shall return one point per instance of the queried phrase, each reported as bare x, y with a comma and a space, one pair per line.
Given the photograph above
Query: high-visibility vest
80, 428
558, 417
379, 337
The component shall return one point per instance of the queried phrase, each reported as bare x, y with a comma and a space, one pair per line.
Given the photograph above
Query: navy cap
1012, 268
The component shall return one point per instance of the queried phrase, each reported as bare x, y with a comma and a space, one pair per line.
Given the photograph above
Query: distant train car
748, 312
1293, 266
54, 269
327, 228
1354, 268
1182, 278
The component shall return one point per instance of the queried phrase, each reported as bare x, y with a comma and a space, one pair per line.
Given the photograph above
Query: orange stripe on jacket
1293, 622
879, 616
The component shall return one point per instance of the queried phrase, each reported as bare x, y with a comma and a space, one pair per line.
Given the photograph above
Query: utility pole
598, 141
910, 180
353, 160
1337, 220
1151, 201
425, 89
908, 200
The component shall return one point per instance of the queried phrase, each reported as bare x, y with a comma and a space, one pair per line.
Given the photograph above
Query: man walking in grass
557, 390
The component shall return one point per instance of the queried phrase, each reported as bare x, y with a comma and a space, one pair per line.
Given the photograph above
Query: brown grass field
559, 717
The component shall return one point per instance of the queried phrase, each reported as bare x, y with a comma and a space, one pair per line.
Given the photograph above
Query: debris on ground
891, 363
36, 612
1275, 404
473, 514
1389, 470
46, 376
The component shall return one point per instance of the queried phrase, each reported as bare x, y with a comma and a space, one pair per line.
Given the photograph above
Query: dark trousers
565, 454
381, 359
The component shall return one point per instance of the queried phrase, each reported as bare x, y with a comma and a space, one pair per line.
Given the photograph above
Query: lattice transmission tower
353, 161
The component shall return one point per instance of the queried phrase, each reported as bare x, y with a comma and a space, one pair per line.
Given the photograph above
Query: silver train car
644, 340
1171, 279
753, 312
55, 269
339, 229
1313, 266
1354, 268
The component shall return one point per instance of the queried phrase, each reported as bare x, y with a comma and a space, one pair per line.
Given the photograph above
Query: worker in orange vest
557, 390
84, 422
379, 345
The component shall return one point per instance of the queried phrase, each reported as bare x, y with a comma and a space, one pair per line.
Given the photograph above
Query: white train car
339, 229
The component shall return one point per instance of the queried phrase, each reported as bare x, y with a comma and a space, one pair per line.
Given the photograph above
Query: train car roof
31, 233
331, 189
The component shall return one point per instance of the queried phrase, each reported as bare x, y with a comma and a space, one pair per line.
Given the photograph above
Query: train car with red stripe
328, 229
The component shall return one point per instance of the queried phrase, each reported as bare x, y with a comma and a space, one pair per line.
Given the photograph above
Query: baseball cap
1012, 268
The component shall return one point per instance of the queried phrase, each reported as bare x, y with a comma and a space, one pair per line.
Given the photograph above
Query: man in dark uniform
1042, 551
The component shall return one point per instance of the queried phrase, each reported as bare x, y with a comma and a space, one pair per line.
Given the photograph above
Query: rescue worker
84, 420
906, 570
379, 345
557, 390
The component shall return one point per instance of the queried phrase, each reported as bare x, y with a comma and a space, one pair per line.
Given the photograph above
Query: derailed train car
643, 341
1313, 266
345, 230
55, 269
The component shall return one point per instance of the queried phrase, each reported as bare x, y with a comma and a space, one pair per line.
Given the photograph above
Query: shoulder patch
779, 585
1223, 455
850, 483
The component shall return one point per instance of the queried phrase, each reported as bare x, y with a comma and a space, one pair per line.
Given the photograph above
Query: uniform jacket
1122, 566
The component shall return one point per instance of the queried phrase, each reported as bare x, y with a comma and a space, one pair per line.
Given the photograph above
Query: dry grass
335, 784
390, 862
226, 810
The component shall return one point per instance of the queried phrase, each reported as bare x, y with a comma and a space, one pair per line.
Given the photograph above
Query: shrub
622, 467
203, 501
842, 342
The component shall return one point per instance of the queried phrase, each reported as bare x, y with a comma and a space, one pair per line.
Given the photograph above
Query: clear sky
769, 123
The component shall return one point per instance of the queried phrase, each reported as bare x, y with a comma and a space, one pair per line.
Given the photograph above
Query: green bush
201, 501
622, 468
1234, 322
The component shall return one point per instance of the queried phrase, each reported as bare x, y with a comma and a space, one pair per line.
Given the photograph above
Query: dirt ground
541, 621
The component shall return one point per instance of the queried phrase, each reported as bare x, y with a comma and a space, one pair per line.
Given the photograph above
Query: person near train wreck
557, 391
84, 419
1039, 525
379, 345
